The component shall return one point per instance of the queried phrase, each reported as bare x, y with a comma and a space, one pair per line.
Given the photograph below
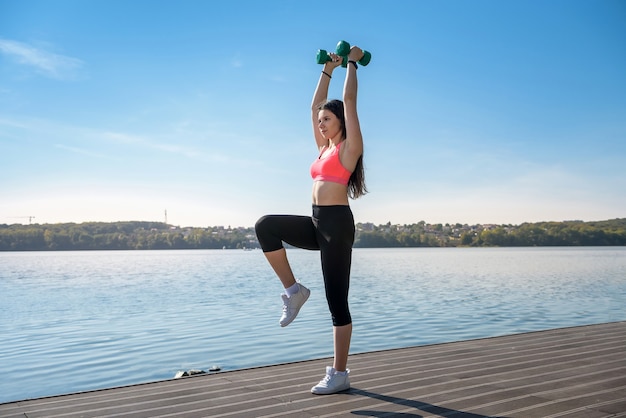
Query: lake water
75, 321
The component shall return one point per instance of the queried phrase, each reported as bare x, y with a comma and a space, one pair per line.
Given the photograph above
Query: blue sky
471, 111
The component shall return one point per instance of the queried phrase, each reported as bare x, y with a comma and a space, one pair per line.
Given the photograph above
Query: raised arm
321, 95
353, 147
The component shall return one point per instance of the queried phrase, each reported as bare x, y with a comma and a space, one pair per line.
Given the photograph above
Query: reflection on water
84, 320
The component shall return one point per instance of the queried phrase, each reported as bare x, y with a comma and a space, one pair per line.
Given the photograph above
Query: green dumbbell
323, 58
343, 49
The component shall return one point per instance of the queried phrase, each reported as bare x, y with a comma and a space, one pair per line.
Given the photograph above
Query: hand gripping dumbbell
323, 58
343, 49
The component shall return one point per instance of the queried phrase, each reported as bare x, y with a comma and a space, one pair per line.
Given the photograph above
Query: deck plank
567, 372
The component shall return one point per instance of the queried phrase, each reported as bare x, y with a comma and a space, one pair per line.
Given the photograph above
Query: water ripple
85, 320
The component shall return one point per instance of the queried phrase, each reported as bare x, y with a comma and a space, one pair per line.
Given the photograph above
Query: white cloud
164, 147
44, 62
81, 151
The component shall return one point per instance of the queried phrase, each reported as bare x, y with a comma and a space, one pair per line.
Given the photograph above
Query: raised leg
280, 264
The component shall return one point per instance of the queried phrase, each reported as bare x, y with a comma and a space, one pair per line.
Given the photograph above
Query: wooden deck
569, 372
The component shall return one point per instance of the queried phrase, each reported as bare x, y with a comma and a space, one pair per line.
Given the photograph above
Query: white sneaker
292, 305
333, 382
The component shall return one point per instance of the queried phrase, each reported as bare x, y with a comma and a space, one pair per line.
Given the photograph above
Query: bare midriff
327, 193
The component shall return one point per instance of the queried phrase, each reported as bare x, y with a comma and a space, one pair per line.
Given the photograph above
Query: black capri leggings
331, 230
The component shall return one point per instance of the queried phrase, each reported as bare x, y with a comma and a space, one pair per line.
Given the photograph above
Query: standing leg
336, 236
336, 255
341, 338
336, 267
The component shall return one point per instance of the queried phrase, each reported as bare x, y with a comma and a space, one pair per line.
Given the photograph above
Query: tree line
568, 233
133, 235
136, 235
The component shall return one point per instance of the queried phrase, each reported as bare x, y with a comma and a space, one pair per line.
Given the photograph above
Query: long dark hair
356, 184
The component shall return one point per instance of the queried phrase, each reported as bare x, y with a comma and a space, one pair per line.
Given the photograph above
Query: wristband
353, 63
324, 72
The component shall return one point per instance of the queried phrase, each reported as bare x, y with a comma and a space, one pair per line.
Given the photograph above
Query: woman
337, 174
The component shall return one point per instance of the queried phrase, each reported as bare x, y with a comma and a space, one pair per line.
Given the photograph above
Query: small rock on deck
568, 372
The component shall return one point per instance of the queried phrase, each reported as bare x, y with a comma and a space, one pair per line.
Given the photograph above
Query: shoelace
326, 379
286, 305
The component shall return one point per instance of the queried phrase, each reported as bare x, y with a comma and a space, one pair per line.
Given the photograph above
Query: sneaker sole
330, 393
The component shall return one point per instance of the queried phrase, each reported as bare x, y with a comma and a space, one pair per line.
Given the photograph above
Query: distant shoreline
140, 235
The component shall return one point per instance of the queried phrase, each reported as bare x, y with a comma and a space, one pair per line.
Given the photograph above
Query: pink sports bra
329, 168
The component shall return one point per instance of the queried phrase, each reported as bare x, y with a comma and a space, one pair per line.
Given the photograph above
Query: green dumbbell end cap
367, 57
344, 61
343, 49
322, 57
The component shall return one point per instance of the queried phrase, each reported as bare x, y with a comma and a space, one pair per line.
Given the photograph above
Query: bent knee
266, 235
261, 223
